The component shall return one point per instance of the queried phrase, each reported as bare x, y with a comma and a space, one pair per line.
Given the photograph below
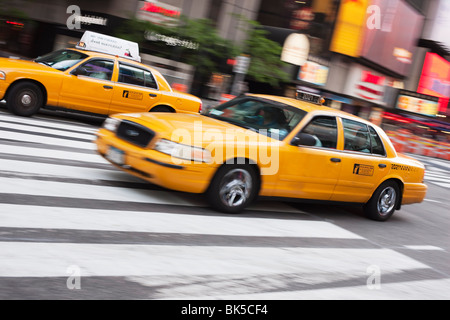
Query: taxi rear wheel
384, 202
25, 99
233, 188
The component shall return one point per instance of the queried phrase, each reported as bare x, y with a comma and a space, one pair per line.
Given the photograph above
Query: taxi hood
200, 130
20, 64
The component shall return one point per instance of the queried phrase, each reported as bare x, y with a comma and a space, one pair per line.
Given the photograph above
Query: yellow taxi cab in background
102, 75
269, 146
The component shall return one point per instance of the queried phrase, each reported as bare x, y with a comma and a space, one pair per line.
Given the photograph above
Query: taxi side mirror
80, 71
303, 139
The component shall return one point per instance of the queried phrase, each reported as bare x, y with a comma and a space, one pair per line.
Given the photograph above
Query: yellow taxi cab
101, 75
268, 146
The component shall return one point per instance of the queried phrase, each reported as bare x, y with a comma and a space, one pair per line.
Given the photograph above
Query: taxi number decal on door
363, 170
132, 95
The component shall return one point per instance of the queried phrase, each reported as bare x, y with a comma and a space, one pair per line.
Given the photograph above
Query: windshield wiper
232, 121
44, 63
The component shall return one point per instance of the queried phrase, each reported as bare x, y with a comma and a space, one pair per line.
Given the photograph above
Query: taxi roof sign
309, 97
93, 41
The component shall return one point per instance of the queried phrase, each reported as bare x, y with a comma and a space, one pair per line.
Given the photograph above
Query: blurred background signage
435, 79
367, 84
349, 28
158, 12
390, 43
314, 73
418, 103
393, 45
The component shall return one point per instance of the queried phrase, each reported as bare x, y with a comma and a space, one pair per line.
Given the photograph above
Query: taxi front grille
135, 133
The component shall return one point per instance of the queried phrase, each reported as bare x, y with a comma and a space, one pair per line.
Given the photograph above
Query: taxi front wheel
233, 188
384, 201
25, 99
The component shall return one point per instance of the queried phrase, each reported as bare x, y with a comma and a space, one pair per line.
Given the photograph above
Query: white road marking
408, 290
423, 248
20, 259
83, 191
65, 171
37, 130
23, 216
21, 137
50, 153
41, 122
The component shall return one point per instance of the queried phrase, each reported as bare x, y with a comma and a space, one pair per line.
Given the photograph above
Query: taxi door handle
108, 87
153, 95
382, 165
336, 160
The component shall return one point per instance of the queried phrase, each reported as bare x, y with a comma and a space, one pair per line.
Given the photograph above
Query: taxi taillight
200, 108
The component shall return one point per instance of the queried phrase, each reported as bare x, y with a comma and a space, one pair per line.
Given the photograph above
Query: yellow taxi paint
82, 93
301, 172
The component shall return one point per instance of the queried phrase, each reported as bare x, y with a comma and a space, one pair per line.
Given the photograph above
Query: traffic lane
419, 231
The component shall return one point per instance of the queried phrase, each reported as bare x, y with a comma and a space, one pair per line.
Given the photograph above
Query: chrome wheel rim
26, 99
386, 201
236, 187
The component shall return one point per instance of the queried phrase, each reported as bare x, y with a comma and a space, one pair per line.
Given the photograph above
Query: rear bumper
414, 193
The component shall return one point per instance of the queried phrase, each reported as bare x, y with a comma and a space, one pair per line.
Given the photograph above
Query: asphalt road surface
74, 227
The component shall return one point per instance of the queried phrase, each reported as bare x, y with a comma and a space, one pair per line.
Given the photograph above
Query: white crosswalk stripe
63, 206
437, 170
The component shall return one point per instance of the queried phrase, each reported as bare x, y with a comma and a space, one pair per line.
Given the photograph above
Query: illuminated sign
350, 25
171, 41
314, 72
158, 12
418, 103
435, 79
367, 84
154, 8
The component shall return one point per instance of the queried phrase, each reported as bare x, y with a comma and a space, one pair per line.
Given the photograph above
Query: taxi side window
137, 76
99, 69
377, 144
356, 135
324, 131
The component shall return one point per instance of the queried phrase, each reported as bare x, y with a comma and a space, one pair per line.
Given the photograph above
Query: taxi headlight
2, 75
111, 124
182, 151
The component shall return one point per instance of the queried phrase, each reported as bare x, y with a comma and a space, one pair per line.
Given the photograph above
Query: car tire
384, 202
25, 99
233, 188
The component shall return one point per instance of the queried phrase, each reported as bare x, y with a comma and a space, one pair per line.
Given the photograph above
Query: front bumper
156, 167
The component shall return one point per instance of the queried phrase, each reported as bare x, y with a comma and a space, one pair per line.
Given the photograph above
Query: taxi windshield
270, 118
61, 59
